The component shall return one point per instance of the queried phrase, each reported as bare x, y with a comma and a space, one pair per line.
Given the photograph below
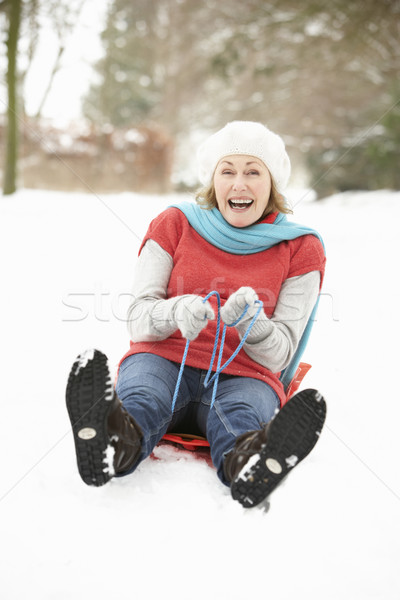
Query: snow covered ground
171, 530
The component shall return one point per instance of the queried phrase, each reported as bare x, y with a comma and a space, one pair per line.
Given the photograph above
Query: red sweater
199, 268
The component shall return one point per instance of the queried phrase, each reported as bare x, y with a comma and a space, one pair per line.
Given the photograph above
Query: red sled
196, 443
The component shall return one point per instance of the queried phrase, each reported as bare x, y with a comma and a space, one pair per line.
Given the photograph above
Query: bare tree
63, 17
13, 10
24, 19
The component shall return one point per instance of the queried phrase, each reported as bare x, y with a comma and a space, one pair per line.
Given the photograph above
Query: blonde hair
207, 199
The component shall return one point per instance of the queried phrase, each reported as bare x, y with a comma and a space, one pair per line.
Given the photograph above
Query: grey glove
191, 315
236, 304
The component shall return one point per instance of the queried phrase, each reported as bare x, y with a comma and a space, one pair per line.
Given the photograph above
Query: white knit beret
249, 138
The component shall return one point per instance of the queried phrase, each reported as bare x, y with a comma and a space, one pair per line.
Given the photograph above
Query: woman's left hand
236, 303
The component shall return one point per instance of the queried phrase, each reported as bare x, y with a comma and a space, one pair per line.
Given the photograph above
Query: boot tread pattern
89, 394
293, 434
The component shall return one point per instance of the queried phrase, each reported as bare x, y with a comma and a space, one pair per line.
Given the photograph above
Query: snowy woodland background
127, 84
107, 102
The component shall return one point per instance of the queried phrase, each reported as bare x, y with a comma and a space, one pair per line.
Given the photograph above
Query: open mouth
240, 203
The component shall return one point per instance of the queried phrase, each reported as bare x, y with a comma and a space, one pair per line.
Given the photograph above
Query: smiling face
242, 187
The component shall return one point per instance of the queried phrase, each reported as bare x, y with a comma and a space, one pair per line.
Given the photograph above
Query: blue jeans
146, 385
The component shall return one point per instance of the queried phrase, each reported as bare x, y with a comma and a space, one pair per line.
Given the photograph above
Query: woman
234, 240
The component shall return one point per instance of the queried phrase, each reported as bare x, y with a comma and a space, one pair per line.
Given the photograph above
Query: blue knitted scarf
212, 226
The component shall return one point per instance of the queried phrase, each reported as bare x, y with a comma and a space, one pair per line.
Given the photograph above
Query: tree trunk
10, 171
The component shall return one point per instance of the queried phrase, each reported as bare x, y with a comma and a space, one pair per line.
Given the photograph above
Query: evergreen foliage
313, 71
368, 162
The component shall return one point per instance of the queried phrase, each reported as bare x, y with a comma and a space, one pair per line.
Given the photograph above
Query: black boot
107, 438
261, 459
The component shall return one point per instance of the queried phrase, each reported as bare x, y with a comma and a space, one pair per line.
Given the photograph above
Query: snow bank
171, 530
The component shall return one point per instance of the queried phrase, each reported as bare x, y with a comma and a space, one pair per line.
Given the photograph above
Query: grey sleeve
272, 342
150, 314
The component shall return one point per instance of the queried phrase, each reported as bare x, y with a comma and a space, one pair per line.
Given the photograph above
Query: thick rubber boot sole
292, 435
89, 398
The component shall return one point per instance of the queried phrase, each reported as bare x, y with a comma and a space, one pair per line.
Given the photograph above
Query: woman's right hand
191, 315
